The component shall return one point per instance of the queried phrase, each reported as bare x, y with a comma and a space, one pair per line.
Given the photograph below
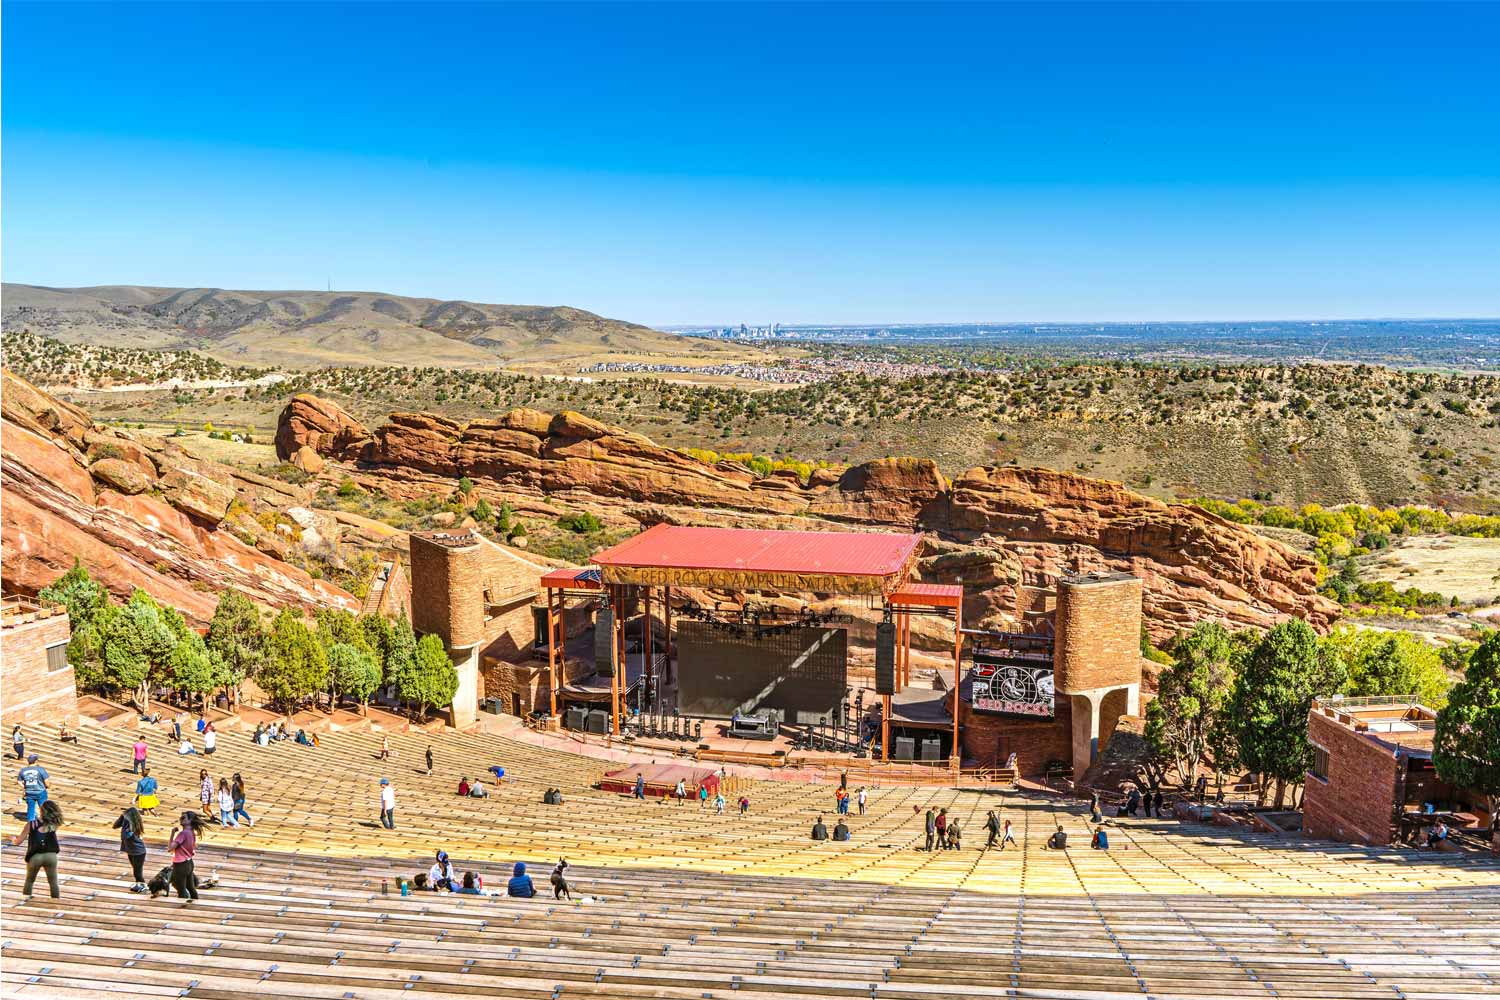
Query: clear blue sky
796, 163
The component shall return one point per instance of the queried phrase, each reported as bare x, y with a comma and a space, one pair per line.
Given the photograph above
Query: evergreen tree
135, 645
196, 669
431, 679
353, 671
1272, 698
1466, 746
401, 651
79, 593
237, 637
1192, 698
295, 665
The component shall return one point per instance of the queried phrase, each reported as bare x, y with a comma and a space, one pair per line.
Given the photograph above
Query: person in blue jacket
520, 883
1101, 839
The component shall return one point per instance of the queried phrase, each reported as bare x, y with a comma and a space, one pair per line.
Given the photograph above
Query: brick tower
1096, 657
450, 604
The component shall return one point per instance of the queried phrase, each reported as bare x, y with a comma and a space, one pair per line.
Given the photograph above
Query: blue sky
792, 163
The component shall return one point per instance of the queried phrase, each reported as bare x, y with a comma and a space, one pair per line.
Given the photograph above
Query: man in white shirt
387, 804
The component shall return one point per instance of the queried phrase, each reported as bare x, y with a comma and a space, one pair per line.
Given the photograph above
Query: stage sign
1004, 686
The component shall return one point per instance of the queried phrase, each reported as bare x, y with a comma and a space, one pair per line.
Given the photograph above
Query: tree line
1231, 700
142, 645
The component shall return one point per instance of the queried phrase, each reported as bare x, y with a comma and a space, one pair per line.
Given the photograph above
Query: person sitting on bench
463, 786
520, 883
302, 739
1101, 839
478, 791
440, 875
1437, 834
819, 831
1059, 840
471, 886
840, 831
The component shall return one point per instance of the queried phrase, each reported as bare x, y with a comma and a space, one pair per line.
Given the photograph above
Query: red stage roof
745, 559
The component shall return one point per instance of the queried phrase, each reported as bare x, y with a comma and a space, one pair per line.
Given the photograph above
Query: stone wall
1355, 803
34, 694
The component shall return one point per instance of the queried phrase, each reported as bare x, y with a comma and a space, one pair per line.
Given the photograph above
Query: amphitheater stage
660, 779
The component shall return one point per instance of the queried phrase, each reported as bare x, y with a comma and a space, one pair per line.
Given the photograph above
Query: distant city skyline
819, 164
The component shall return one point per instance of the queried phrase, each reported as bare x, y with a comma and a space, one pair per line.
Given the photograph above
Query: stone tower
449, 603
1096, 655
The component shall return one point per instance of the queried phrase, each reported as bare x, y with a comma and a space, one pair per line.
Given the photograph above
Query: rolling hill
311, 329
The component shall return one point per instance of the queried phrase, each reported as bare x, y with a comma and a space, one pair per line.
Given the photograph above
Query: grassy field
1466, 567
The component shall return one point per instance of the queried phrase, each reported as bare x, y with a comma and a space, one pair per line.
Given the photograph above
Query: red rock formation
320, 424
993, 528
169, 545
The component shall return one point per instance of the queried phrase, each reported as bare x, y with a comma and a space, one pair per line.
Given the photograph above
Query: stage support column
646, 643
885, 727
666, 614
958, 654
617, 637
903, 652
552, 649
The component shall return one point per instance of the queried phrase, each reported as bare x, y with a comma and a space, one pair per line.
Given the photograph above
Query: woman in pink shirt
138, 756
184, 844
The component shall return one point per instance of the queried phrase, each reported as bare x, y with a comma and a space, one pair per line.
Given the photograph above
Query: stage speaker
539, 630
604, 643
931, 748
906, 748
885, 658
598, 721
578, 717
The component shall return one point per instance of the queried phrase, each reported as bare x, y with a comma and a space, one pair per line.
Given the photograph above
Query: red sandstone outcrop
993, 528
152, 524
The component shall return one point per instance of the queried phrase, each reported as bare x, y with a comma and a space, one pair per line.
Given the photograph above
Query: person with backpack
1100, 840
184, 844
133, 845
41, 846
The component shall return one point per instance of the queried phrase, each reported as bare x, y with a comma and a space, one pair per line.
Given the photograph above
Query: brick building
1372, 778
35, 675
478, 597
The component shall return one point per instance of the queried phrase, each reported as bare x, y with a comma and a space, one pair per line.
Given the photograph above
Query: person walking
184, 844
719, 804
387, 804
385, 748
237, 799
210, 739
41, 846
702, 797
206, 793
1156, 802
177, 721
931, 827
1094, 813
18, 743
133, 845
1006, 837
955, 835
640, 786
145, 792
863, 797
992, 827
226, 804
942, 829
429, 759
138, 756
33, 778
681, 791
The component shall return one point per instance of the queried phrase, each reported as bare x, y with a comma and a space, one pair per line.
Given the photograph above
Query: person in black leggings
133, 844
184, 848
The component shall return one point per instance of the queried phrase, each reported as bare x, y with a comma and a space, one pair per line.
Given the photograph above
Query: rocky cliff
994, 528
138, 510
